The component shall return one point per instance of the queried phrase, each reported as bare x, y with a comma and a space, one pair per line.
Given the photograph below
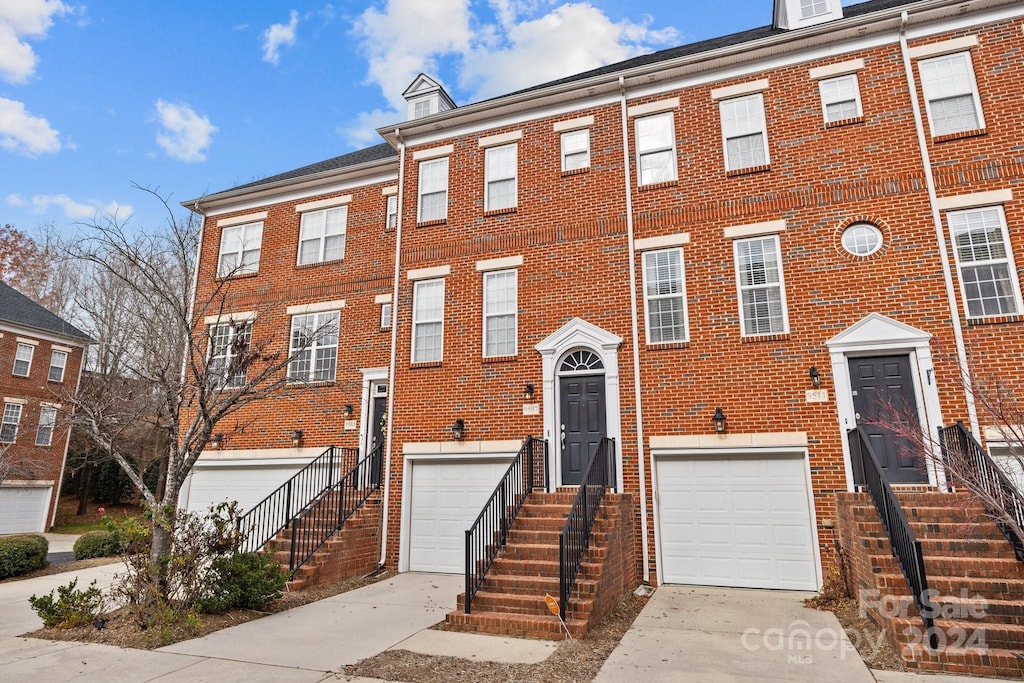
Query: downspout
67, 444
186, 487
394, 350
626, 170
940, 236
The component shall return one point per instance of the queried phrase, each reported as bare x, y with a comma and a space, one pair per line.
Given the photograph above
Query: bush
22, 554
242, 580
98, 544
71, 608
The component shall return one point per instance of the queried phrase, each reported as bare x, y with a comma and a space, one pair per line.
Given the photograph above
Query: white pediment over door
876, 332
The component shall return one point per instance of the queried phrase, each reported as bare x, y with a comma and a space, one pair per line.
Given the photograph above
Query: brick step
963, 633
978, 548
965, 607
507, 603
536, 585
964, 660
976, 530
961, 514
553, 510
545, 536
544, 568
969, 567
527, 523
989, 588
531, 551
932, 497
546, 627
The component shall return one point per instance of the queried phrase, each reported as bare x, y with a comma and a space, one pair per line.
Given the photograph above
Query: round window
862, 239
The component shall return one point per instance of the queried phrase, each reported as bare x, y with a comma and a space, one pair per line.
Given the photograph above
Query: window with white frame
322, 235
9, 422
575, 150
23, 359
988, 278
951, 94
229, 346
664, 296
761, 293
421, 109
840, 98
47, 420
501, 310
240, 249
391, 220
500, 169
812, 8
744, 132
58, 361
433, 190
314, 347
385, 316
656, 148
428, 321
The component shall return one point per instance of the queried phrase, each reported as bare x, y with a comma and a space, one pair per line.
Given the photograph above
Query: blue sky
194, 96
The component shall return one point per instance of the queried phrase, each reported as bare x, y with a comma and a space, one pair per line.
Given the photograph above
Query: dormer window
794, 14
421, 109
812, 8
426, 97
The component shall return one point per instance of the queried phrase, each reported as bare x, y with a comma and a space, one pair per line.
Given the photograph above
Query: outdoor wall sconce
528, 392
458, 429
217, 440
815, 377
718, 419
348, 410
297, 438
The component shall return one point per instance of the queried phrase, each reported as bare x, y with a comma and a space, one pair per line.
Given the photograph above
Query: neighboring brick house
40, 362
800, 225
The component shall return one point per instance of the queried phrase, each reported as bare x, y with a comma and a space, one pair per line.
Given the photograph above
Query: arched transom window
582, 361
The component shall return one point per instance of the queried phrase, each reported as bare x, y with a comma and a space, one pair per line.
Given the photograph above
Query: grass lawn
69, 523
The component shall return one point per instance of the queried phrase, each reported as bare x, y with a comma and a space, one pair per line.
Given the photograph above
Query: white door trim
576, 334
879, 335
371, 377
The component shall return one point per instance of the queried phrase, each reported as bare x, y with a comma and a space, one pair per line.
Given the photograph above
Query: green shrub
22, 554
71, 607
98, 544
243, 580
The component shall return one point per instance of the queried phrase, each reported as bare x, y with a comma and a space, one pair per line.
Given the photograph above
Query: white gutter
940, 233
394, 348
635, 331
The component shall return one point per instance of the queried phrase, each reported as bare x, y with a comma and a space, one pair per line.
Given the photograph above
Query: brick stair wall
353, 550
976, 582
511, 600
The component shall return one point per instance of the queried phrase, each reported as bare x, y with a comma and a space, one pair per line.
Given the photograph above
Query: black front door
886, 406
582, 423
380, 407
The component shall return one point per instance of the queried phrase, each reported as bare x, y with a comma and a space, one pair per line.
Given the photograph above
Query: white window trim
390, 202
665, 241
52, 425
974, 200
318, 307
503, 263
832, 70
734, 92
322, 239
1011, 265
572, 124
313, 346
63, 367
515, 313
500, 139
514, 177
658, 107
31, 357
856, 98
561, 145
682, 293
17, 423
781, 286
754, 229
944, 47
416, 321
432, 273
386, 320
257, 217
229, 356
420, 193
729, 168
238, 269
324, 204
640, 154
975, 94
433, 153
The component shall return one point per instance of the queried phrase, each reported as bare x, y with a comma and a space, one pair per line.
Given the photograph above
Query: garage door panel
736, 521
23, 509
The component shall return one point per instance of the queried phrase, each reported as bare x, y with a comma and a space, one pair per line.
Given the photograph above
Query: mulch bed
870, 641
64, 567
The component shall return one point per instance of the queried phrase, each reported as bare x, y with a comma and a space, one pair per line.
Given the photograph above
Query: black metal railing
487, 535
574, 539
905, 546
967, 464
273, 513
318, 521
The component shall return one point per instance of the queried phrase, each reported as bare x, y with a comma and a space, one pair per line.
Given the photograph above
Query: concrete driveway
691, 633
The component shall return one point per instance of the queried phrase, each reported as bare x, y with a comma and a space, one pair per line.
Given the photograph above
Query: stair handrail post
469, 570
563, 592
288, 504
529, 465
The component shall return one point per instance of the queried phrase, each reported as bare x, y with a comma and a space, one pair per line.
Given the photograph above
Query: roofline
794, 40
40, 331
202, 205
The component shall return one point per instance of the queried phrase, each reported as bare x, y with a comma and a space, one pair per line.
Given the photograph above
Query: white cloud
41, 203
22, 20
530, 42
278, 35
186, 134
23, 133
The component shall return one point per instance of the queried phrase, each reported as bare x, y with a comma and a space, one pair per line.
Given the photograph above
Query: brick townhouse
793, 229
40, 362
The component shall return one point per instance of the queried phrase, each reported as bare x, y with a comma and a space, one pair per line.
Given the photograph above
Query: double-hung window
47, 421
58, 361
951, 94
988, 278
314, 347
240, 249
665, 296
744, 132
656, 148
9, 422
500, 169
229, 353
575, 150
840, 98
501, 306
391, 213
23, 359
428, 321
322, 235
759, 279
812, 8
385, 316
433, 190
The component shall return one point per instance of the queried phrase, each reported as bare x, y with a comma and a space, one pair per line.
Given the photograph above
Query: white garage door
23, 509
736, 520
246, 484
446, 499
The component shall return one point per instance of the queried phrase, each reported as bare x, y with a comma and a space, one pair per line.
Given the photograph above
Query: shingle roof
18, 309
